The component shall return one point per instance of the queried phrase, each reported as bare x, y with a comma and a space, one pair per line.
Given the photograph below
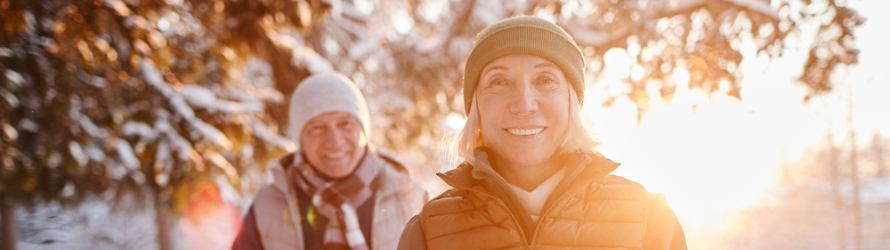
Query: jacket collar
480, 177
581, 167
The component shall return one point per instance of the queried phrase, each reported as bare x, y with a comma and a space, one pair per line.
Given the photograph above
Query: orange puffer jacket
589, 209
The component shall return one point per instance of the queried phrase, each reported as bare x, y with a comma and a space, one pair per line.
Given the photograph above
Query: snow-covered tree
409, 55
116, 95
120, 96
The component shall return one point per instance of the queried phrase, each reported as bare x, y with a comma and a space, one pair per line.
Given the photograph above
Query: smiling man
337, 191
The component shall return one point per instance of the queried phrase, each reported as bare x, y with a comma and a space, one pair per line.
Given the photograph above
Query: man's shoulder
390, 160
269, 193
395, 171
397, 178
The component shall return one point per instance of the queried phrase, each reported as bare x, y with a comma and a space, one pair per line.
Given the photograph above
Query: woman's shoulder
618, 180
617, 187
450, 201
452, 193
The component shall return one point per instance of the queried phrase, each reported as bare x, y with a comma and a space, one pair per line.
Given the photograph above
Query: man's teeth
336, 156
525, 131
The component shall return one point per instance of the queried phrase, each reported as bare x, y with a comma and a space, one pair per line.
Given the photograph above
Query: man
337, 191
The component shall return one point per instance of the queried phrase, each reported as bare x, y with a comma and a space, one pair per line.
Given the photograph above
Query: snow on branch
197, 95
212, 134
162, 125
307, 58
128, 157
221, 162
140, 129
761, 7
589, 37
262, 131
84, 121
163, 154
154, 78
203, 97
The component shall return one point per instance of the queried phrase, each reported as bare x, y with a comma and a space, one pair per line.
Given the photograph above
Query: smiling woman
530, 176
523, 103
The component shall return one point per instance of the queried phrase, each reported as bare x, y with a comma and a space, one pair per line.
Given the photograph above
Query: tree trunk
854, 179
9, 235
162, 219
879, 156
835, 177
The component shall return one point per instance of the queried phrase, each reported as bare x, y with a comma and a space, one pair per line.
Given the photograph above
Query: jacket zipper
512, 216
538, 225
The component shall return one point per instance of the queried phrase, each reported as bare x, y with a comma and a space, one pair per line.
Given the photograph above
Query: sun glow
709, 162
711, 156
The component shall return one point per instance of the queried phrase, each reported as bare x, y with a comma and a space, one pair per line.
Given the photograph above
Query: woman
530, 176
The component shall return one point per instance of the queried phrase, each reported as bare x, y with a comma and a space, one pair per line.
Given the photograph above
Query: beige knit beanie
524, 35
322, 93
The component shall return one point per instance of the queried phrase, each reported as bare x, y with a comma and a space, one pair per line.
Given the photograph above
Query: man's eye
347, 124
315, 130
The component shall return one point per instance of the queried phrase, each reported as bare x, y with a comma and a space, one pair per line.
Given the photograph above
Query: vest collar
480, 177
580, 167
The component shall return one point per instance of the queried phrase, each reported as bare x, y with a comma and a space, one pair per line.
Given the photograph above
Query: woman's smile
525, 131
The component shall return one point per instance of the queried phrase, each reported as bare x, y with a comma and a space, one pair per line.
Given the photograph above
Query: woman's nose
524, 101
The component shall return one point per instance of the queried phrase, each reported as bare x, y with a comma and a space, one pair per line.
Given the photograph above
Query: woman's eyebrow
493, 68
545, 65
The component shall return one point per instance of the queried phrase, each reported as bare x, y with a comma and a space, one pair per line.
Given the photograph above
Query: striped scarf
337, 201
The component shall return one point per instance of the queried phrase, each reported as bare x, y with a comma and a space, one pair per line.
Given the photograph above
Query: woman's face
523, 103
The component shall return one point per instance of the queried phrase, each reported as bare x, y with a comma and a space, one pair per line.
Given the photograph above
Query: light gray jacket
396, 200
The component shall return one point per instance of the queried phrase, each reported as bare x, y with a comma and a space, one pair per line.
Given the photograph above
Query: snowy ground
92, 225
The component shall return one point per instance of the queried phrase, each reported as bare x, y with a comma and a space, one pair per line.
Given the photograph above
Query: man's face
334, 143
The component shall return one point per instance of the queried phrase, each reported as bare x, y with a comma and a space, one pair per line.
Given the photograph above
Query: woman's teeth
525, 131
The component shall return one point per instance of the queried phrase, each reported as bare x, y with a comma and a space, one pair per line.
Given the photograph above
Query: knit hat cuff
524, 39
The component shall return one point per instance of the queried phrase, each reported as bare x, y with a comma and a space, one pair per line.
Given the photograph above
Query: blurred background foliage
156, 98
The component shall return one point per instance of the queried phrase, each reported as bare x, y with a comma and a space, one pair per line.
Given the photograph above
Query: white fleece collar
534, 200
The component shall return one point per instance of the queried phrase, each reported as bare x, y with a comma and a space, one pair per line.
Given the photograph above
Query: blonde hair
577, 139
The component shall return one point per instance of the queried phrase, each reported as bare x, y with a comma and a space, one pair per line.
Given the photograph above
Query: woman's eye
546, 80
498, 82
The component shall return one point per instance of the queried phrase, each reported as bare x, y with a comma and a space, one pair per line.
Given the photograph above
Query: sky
723, 157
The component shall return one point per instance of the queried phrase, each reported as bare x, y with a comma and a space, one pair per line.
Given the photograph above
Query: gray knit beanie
322, 93
524, 35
